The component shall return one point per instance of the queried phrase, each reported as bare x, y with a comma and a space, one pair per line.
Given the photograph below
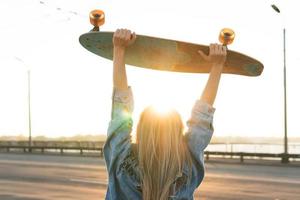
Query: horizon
25, 136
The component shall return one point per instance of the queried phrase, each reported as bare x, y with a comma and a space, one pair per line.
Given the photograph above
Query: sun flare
162, 107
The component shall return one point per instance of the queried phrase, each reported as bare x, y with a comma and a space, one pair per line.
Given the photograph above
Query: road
35, 177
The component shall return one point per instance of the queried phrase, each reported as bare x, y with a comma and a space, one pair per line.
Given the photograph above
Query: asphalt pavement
47, 177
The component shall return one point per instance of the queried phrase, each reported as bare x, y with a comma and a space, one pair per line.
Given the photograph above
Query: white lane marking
90, 181
54, 164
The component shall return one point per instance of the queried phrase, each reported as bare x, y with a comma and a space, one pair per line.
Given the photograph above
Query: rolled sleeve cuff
122, 96
202, 115
122, 102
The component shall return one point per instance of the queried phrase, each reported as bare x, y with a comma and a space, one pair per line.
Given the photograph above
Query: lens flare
162, 107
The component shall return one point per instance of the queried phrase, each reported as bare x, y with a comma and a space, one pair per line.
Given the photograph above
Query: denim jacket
121, 162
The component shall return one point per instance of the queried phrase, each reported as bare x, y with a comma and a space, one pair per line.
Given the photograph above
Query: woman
164, 163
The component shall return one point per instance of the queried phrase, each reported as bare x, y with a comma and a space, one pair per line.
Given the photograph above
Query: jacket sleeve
200, 129
118, 135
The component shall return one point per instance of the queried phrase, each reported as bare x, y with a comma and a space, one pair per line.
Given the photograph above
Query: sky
71, 88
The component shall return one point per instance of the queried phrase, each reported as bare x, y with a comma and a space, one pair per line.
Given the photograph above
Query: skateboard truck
226, 36
97, 19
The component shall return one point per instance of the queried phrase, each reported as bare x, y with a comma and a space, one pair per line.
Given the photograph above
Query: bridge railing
53, 146
86, 147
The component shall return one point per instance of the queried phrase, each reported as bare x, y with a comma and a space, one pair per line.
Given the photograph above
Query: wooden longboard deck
168, 55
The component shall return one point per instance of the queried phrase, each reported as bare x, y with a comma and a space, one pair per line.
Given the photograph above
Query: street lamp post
29, 103
29, 111
285, 158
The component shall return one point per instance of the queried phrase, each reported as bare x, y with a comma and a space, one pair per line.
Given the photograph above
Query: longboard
168, 55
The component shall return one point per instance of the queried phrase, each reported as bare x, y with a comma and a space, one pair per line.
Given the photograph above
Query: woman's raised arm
217, 57
121, 39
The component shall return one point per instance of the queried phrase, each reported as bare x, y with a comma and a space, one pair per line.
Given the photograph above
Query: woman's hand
123, 38
217, 54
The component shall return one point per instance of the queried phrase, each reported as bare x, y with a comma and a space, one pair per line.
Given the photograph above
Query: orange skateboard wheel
97, 18
226, 36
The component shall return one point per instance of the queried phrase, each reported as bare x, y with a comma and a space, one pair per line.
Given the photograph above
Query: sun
162, 107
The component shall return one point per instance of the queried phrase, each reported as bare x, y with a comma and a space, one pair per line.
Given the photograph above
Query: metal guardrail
61, 146
85, 146
75, 144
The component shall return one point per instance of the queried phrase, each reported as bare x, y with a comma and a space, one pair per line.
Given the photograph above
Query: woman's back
122, 157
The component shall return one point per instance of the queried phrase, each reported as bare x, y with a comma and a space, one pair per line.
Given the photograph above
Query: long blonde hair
162, 152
